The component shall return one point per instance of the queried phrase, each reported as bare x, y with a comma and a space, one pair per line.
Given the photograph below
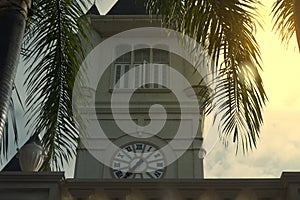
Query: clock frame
138, 160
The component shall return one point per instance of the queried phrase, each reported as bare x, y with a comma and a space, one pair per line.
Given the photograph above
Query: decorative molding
7, 177
54, 186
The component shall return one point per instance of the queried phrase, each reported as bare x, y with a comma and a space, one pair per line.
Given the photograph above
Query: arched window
122, 65
161, 61
142, 58
150, 65
141, 54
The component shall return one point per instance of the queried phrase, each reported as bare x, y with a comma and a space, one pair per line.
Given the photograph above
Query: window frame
133, 64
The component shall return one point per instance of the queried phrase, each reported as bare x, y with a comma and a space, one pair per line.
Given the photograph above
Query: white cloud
277, 151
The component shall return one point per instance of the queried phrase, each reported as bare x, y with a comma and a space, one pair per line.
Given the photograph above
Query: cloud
277, 151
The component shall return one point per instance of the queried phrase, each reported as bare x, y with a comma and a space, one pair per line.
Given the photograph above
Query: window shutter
138, 74
120, 70
117, 75
126, 78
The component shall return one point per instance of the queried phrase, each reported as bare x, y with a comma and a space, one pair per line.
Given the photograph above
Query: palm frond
283, 20
4, 142
52, 50
226, 30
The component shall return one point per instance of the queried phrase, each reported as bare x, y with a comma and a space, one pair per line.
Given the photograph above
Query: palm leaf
4, 143
226, 30
52, 51
283, 18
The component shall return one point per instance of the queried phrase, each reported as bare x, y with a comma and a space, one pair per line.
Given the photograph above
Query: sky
279, 144
104, 5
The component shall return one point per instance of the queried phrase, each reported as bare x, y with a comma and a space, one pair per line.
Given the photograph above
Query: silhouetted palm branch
53, 52
226, 29
284, 23
10, 122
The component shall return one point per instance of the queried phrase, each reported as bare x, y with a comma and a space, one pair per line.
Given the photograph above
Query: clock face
138, 160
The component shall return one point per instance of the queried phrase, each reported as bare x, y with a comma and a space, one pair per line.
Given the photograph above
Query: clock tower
151, 150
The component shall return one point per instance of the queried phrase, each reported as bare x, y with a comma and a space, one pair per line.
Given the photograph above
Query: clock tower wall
186, 166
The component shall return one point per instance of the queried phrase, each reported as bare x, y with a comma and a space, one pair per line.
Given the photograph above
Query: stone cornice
178, 184
35, 177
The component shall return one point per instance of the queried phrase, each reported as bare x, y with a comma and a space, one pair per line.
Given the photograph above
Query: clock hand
129, 173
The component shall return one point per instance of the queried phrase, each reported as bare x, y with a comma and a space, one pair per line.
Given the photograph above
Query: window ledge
141, 90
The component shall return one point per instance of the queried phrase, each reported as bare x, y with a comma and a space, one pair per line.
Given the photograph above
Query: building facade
150, 83
53, 186
128, 178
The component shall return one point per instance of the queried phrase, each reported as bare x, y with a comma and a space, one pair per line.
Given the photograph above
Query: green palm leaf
53, 53
10, 122
226, 29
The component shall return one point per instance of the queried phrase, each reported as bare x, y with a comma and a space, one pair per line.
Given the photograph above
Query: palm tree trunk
13, 14
297, 20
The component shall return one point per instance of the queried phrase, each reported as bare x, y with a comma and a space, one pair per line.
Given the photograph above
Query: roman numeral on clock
157, 174
139, 146
129, 149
